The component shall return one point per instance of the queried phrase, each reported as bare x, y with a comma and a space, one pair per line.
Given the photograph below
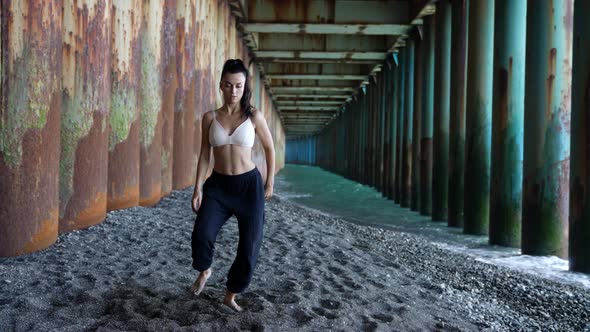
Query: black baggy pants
223, 196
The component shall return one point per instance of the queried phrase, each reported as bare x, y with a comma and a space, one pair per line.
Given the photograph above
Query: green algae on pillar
442, 91
547, 128
30, 125
478, 118
85, 106
579, 232
507, 123
408, 123
150, 137
457, 116
426, 127
123, 168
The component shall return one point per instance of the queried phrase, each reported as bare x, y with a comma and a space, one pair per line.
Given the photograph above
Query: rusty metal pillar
184, 114
408, 123
478, 118
415, 191
507, 123
169, 84
382, 125
393, 108
401, 97
123, 176
30, 125
85, 106
426, 128
547, 128
442, 104
579, 232
150, 139
457, 120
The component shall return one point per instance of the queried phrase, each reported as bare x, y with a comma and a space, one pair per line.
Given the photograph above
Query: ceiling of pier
315, 55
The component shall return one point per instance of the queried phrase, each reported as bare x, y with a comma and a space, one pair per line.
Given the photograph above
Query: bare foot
199, 284
230, 301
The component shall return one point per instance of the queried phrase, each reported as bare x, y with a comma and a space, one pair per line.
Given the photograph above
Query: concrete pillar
30, 125
457, 119
427, 125
547, 128
442, 104
85, 108
579, 233
507, 123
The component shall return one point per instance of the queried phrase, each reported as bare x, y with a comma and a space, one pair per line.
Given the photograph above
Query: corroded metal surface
547, 101
169, 85
580, 172
478, 118
401, 97
184, 115
442, 90
507, 123
29, 125
427, 117
86, 83
123, 170
416, 125
457, 117
409, 54
150, 138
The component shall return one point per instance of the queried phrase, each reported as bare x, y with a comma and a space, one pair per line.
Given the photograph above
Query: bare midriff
232, 159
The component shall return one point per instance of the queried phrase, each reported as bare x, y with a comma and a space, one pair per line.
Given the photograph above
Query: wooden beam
295, 89
320, 55
310, 96
304, 103
309, 108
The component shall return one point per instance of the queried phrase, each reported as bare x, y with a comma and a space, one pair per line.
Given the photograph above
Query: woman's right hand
196, 201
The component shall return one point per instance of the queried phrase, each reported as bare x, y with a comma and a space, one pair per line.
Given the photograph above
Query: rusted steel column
387, 131
372, 132
408, 123
478, 131
169, 84
426, 128
123, 176
579, 232
150, 170
547, 128
401, 98
30, 125
507, 123
393, 108
415, 199
184, 110
442, 104
457, 120
382, 125
86, 79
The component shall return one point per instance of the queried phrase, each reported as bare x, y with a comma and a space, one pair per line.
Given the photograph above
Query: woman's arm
203, 163
265, 137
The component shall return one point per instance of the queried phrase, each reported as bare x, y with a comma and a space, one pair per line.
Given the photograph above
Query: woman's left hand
268, 191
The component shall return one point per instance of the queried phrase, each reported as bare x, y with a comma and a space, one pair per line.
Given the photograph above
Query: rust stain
152, 198
45, 235
93, 214
550, 80
129, 197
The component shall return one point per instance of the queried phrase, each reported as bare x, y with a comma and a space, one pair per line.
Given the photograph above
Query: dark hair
235, 66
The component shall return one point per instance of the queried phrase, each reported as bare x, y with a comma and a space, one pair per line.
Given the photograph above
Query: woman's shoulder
208, 116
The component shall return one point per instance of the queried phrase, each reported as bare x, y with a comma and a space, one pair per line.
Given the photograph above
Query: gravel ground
315, 273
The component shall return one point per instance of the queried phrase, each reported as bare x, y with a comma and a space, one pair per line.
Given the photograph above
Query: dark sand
315, 273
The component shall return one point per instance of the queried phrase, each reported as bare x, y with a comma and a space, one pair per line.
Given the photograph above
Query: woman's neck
232, 108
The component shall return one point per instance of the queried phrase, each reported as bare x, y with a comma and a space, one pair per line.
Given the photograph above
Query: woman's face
232, 87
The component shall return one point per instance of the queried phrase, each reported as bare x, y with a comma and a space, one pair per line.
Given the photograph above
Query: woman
235, 186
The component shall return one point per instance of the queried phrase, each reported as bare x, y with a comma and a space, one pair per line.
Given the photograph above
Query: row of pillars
301, 151
472, 122
101, 107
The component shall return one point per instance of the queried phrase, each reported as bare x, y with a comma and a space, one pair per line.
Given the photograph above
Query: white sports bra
242, 136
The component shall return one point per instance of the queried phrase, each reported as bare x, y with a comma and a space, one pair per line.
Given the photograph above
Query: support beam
322, 61
580, 163
347, 29
304, 103
507, 123
317, 77
310, 96
296, 89
478, 128
294, 54
547, 127
309, 108
427, 116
